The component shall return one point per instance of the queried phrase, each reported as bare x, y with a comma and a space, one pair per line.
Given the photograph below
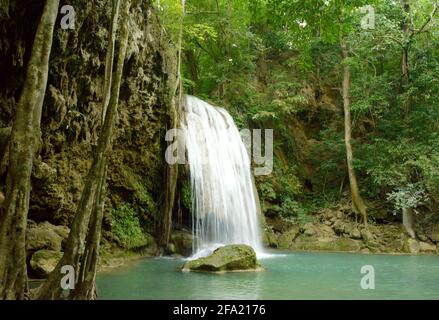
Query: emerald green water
289, 276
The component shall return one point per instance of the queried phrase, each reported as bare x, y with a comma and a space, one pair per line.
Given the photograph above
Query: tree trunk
172, 170
191, 61
408, 221
357, 201
86, 284
110, 57
405, 53
24, 144
92, 194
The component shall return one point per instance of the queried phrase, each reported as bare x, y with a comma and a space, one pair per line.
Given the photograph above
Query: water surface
289, 276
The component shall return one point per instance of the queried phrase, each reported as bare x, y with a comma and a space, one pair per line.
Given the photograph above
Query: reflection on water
289, 276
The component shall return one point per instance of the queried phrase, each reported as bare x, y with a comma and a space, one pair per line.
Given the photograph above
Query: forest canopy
279, 64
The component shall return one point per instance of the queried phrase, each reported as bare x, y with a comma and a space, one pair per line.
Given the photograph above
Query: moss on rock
43, 262
226, 259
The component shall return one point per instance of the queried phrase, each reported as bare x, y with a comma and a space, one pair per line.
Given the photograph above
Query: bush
126, 226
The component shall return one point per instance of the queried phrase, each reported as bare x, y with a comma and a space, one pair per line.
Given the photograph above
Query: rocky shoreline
330, 230
334, 230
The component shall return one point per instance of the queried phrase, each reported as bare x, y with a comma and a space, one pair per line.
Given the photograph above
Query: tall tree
82, 246
176, 99
24, 144
357, 201
86, 283
409, 33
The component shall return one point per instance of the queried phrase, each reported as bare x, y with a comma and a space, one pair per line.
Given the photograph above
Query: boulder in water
226, 259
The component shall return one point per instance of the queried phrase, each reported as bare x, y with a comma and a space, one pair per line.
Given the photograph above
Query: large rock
309, 229
355, 234
411, 246
366, 235
46, 236
43, 262
434, 233
286, 239
237, 257
326, 244
426, 247
270, 239
148, 247
182, 241
338, 227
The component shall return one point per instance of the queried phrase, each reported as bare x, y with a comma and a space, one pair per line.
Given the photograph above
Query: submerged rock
226, 259
43, 262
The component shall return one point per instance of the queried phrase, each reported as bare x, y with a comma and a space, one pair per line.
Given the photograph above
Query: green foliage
275, 63
409, 196
126, 226
280, 192
186, 195
142, 195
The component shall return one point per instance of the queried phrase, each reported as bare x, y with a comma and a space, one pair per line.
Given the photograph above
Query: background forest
279, 64
350, 88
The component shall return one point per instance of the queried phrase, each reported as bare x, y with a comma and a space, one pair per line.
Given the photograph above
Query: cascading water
223, 197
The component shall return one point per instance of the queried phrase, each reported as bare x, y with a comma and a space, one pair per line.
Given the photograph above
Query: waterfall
223, 194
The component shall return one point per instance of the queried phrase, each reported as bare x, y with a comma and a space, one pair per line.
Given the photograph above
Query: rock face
182, 242
226, 259
43, 262
434, 233
73, 106
411, 246
286, 239
336, 230
426, 247
46, 236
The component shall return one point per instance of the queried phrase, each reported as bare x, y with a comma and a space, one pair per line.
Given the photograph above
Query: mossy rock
427, 247
327, 244
46, 236
286, 239
147, 247
182, 241
270, 239
434, 233
411, 246
226, 259
44, 261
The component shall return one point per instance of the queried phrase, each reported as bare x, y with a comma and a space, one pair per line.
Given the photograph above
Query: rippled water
289, 276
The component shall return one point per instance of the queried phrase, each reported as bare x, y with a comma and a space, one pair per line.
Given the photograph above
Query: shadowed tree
172, 170
24, 144
82, 247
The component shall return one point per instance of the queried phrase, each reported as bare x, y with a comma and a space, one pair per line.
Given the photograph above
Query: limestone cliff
72, 107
